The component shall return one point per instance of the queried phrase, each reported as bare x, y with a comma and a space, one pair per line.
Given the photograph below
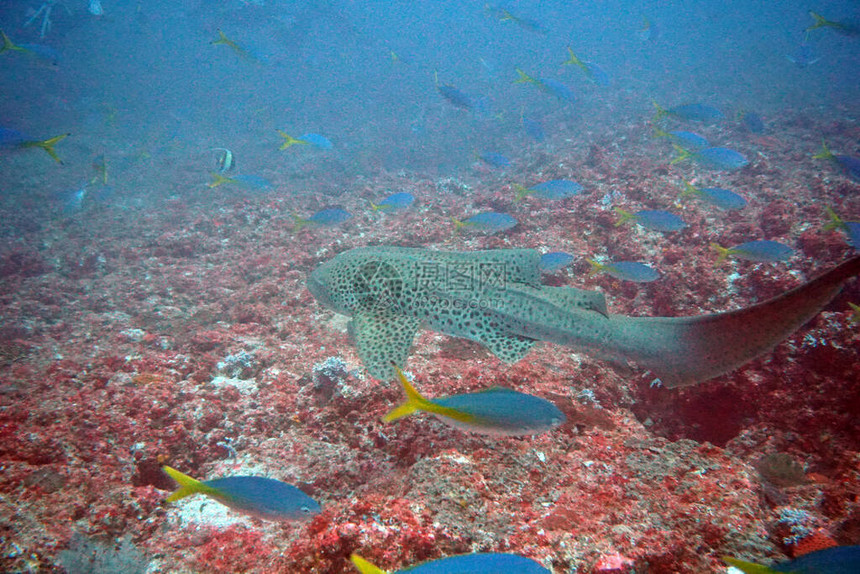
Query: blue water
326, 67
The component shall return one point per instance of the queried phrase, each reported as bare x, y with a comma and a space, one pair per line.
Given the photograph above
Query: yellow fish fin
187, 485
724, 252
748, 567
48, 146
364, 566
416, 402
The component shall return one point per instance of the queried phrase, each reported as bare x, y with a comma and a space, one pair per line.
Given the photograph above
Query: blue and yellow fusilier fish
632, 271
290, 140
489, 563
849, 164
13, 139
719, 158
255, 496
717, 196
495, 411
394, 202
592, 71
836, 560
762, 251
489, 222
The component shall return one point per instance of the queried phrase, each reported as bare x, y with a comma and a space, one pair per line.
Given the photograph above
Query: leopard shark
496, 299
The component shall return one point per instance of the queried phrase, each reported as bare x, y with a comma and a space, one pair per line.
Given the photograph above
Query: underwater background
171, 172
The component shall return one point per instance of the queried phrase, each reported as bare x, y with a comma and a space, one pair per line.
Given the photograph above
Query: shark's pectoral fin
508, 348
382, 338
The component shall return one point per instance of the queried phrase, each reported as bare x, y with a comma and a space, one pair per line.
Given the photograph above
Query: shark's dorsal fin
382, 338
570, 297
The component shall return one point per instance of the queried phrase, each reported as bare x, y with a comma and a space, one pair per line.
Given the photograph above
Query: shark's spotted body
496, 299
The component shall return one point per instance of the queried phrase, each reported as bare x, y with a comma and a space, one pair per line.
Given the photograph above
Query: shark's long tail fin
682, 351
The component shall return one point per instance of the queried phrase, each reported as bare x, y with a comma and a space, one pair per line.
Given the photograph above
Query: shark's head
319, 284
361, 279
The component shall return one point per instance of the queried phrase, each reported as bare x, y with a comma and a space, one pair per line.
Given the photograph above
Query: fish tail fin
724, 253
689, 189
855, 312
595, 267
623, 216
660, 112
223, 40
187, 485
48, 146
825, 152
682, 154
457, 224
374, 207
820, 21
658, 133
748, 567
414, 400
364, 566
523, 78
572, 59
219, 179
8, 45
300, 222
834, 221
683, 351
289, 140
521, 192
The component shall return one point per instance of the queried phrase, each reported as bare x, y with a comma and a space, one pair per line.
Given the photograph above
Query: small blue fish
329, 217
553, 190
557, 89
489, 563
753, 122
718, 158
461, 99
592, 71
488, 222
495, 411
625, 271
649, 32
717, 196
687, 140
547, 85
555, 261
850, 165
655, 220
494, 159
394, 202
255, 496
803, 57
317, 140
533, 128
248, 180
764, 251
40, 52
13, 139
691, 112
851, 228
836, 560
